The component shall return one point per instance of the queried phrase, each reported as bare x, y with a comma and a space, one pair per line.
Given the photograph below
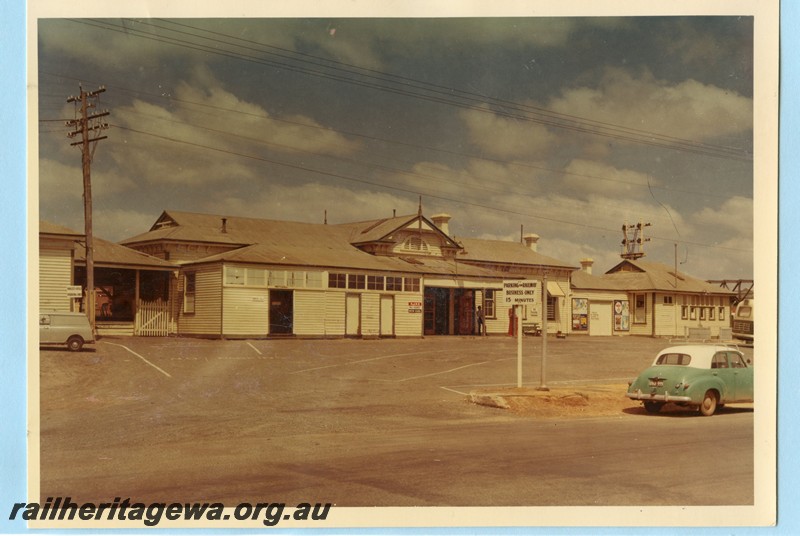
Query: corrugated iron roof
640, 275
105, 252
499, 251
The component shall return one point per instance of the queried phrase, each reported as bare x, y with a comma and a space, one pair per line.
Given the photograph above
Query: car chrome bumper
666, 397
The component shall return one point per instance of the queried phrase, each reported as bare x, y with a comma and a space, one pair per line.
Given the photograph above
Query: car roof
701, 353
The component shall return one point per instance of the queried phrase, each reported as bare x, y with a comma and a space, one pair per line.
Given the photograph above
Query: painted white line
254, 348
444, 371
140, 357
368, 360
453, 391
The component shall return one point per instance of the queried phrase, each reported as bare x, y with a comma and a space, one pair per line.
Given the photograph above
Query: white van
72, 329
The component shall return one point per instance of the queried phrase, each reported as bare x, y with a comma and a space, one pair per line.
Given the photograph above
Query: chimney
531, 241
586, 265
224, 225
442, 221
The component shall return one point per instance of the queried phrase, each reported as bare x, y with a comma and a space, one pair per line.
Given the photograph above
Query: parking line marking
140, 357
453, 391
367, 360
254, 348
444, 371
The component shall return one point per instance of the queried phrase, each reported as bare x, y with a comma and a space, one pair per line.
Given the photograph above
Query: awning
554, 289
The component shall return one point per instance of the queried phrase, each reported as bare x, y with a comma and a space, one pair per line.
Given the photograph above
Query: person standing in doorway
481, 321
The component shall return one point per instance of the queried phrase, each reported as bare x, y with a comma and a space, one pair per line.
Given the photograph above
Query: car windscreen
674, 359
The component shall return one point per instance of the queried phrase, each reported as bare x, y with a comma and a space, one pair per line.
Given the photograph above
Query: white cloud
687, 110
505, 137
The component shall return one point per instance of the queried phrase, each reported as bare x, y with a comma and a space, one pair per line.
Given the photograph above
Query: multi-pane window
684, 312
277, 278
256, 277
640, 311
234, 275
356, 281
189, 293
375, 282
722, 313
337, 280
552, 303
412, 284
394, 283
488, 304
314, 279
667, 300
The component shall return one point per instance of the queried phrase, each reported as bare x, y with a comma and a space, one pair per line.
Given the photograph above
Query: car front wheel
75, 343
709, 404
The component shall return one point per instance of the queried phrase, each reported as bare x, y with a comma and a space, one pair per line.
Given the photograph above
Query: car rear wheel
75, 343
652, 407
709, 404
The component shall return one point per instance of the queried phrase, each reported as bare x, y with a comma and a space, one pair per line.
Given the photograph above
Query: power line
525, 165
396, 188
439, 96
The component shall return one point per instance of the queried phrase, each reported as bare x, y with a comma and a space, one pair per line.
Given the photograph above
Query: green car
702, 376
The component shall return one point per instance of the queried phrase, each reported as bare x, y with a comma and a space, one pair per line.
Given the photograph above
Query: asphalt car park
359, 422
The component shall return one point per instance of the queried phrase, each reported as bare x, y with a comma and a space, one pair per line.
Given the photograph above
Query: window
189, 292
356, 281
314, 279
337, 280
415, 243
296, 279
711, 313
667, 300
552, 303
736, 361
256, 278
684, 312
234, 276
720, 360
277, 278
375, 282
693, 313
722, 313
744, 312
412, 284
703, 313
640, 311
488, 304
674, 359
394, 283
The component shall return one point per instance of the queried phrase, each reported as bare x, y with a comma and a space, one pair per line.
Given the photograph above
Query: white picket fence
152, 319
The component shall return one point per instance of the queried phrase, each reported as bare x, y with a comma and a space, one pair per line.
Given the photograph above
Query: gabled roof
366, 232
499, 251
640, 275
106, 253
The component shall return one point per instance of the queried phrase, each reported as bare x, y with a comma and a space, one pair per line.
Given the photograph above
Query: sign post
543, 385
519, 292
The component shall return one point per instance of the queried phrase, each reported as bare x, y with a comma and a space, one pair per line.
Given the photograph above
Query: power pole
87, 125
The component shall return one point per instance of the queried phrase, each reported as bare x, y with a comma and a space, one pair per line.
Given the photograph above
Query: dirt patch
581, 401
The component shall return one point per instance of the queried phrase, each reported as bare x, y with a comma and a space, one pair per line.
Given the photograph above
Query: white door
600, 319
352, 321
387, 316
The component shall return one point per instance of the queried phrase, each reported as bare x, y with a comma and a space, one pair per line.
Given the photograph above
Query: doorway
352, 315
281, 312
449, 311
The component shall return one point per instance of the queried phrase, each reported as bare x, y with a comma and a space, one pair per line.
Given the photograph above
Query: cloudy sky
568, 127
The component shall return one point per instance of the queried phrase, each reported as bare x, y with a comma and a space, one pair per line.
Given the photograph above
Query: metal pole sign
519, 292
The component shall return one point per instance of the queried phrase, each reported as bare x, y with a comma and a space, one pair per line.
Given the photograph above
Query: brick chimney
586, 265
531, 240
442, 221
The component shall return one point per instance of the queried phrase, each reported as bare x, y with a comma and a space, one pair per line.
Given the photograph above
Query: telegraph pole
86, 126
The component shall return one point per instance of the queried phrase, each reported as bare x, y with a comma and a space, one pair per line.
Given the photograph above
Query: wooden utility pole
87, 125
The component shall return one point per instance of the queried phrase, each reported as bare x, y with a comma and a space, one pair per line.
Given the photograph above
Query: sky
567, 127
